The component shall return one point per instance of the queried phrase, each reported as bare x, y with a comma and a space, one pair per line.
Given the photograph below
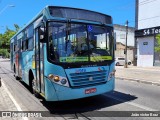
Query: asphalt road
128, 96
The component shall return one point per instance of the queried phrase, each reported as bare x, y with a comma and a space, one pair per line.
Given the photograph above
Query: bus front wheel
32, 84
17, 78
36, 94
34, 88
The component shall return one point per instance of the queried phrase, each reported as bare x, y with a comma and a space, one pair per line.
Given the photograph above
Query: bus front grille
88, 78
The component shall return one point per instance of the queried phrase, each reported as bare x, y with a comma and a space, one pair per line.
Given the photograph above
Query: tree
1, 39
16, 27
5, 40
7, 36
157, 47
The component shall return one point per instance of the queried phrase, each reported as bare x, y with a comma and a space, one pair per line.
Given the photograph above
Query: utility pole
0, 82
126, 63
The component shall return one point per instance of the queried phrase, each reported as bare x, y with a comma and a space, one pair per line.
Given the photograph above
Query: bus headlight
51, 76
58, 80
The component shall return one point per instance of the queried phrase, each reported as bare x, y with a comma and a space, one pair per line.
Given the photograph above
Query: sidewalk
6, 104
6, 101
148, 75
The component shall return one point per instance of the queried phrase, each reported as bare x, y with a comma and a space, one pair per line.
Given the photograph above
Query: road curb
138, 80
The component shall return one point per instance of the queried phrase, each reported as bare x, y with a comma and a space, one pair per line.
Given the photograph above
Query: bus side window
30, 44
23, 45
14, 48
27, 44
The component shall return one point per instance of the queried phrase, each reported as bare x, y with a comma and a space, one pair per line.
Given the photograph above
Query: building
147, 32
120, 48
120, 33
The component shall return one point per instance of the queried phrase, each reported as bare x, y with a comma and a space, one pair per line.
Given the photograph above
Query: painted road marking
13, 100
131, 103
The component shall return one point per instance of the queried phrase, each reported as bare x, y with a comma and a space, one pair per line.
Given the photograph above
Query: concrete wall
148, 16
148, 13
145, 51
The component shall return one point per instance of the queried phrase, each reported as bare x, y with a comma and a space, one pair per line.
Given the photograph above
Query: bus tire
32, 84
16, 77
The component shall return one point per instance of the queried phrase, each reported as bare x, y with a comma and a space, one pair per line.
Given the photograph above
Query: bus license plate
92, 90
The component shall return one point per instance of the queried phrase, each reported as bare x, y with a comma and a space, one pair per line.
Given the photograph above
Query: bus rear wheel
16, 77
32, 84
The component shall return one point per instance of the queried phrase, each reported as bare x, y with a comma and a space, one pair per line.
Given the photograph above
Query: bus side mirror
42, 33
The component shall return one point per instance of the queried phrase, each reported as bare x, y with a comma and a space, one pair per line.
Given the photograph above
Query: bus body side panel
20, 60
26, 65
16, 62
50, 92
15, 57
112, 68
18, 57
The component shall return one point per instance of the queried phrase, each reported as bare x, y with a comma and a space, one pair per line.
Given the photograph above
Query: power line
141, 19
140, 4
144, 1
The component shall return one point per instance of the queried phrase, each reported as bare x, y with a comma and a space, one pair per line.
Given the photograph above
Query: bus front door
39, 60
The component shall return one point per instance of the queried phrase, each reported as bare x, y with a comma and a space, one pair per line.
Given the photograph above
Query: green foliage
4, 52
157, 47
16, 27
5, 40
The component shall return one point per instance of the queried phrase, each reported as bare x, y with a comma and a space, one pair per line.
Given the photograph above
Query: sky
24, 10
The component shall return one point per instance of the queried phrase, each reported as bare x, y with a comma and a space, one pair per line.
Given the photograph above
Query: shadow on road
86, 107
87, 104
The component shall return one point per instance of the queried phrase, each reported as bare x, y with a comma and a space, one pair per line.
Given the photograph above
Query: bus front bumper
55, 92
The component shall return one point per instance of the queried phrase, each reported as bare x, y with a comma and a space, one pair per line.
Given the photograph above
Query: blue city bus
65, 53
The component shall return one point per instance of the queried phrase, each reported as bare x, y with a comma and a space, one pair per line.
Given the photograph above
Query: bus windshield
70, 42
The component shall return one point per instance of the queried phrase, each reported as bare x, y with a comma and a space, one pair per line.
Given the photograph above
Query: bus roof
57, 11
63, 7
79, 14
